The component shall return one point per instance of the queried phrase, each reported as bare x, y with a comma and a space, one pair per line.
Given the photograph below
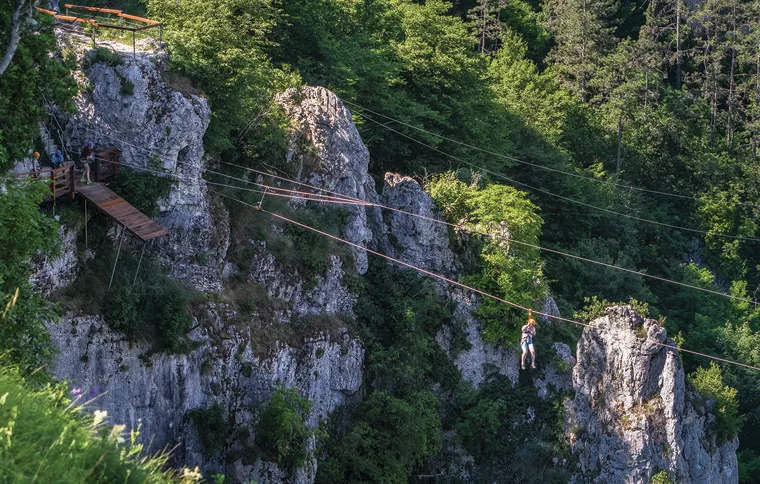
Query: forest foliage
620, 131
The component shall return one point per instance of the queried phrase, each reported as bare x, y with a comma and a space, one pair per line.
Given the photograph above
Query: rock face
336, 160
157, 130
157, 392
420, 241
50, 273
632, 415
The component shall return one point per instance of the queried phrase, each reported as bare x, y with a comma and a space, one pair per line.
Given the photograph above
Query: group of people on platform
86, 157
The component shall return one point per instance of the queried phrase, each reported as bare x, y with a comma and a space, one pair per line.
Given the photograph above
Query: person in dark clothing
56, 160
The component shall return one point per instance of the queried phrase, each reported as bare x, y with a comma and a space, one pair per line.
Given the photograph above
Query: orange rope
478, 291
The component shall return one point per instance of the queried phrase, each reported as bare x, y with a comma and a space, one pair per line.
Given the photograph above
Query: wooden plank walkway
139, 224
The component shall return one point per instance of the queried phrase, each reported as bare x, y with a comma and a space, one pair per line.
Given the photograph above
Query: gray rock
549, 307
336, 159
555, 376
481, 358
422, 242
632, 416
50, 273
157, 130
222, 369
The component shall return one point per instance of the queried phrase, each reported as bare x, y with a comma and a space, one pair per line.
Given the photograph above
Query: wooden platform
139, 224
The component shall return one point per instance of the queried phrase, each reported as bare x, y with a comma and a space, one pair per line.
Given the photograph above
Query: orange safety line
478, 291
577, 257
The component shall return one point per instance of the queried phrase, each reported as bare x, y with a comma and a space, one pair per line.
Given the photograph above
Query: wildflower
99, 417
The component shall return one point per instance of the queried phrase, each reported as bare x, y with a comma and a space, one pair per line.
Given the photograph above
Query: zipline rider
526, 341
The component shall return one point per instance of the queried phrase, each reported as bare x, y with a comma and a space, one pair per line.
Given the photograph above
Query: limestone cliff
128, 105
633, 415
238, 358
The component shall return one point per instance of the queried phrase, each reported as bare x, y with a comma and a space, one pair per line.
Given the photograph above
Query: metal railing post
116, 261
72, 184
134, 281
86, 244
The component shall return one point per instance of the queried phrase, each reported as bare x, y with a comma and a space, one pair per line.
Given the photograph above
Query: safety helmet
36, 154
57, 152
90, 144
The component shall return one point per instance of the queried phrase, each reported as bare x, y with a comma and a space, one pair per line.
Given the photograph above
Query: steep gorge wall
229, 365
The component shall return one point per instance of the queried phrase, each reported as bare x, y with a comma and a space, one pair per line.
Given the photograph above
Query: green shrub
596, 308
45, 438
127, 87
212, 428
143, 190
155, 311
103, 55
492, 422
709, 383
389, 437
281, 433
662, 477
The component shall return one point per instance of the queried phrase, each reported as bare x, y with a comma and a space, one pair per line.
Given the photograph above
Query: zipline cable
567, 199
535, 165
346, 197
534, 246
470, 288
464, 286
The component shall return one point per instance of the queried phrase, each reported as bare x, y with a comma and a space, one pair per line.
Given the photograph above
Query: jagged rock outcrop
336, 159
419, 241
160, 130
632, 415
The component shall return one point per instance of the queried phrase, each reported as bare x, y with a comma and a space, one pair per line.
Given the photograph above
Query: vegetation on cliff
631, 128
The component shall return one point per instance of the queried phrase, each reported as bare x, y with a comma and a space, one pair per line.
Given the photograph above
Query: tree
34, 75
23, 231
20, 19
222, 47
509, 268
709, 383
666, 27
485, 24
389, 438
583, 34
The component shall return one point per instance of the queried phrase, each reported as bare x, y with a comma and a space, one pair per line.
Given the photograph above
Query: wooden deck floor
139, 224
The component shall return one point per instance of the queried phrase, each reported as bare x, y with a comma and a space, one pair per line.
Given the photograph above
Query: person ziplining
526, 341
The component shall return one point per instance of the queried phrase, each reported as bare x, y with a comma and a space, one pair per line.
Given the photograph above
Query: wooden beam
93, 9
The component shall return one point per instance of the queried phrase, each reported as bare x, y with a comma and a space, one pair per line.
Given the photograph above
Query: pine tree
485, 24
666, 29
583, 32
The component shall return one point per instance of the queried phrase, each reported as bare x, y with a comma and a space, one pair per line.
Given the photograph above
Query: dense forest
620, 131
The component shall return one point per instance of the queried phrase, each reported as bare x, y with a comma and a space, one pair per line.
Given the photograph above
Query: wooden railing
61, 180
102, 18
